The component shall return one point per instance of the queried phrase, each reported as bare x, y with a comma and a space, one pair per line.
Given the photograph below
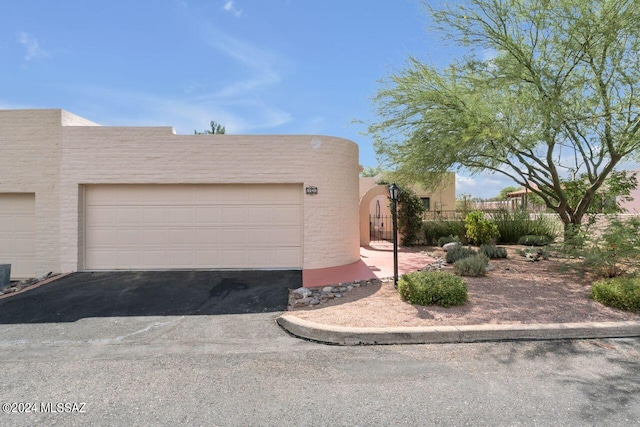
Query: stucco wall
30, 142
143, 155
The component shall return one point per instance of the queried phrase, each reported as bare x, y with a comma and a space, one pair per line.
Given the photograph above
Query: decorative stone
327, 289
314, 301
450, 245
302, 292
349, 288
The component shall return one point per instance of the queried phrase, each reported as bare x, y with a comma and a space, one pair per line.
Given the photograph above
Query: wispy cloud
229, 7
34, 51
187, 114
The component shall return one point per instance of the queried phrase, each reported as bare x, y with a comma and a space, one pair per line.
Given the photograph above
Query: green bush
480, 230
618, 292
434, 230
512, 225
492, 252
616, 250
457, 253
532, 240
473, 266
432, 287
447, 239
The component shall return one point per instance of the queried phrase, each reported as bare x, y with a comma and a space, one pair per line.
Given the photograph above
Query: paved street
241, 369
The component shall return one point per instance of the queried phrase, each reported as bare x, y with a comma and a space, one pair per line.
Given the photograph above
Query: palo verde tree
549, 91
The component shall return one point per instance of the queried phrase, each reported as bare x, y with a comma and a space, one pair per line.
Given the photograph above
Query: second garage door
193, 226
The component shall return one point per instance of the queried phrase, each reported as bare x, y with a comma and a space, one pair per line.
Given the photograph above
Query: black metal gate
380, 228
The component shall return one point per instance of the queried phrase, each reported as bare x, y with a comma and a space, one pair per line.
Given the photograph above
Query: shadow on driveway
151, 293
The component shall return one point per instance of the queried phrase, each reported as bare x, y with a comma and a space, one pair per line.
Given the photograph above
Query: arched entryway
365, 208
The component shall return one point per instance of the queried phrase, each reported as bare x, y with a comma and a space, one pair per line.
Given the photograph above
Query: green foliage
479, 229
472, 266
559, 93
370, 171
618, 292
410, 209
532, 240
617, 186
492, 252
434, 230
615, 251
457, 253
216, 129
447, 239
432, 287
512, 225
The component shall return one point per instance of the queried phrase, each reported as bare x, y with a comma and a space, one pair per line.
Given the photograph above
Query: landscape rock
450, 245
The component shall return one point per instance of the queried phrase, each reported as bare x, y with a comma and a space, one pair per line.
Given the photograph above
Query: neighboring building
633, 206
375, 211
77, 196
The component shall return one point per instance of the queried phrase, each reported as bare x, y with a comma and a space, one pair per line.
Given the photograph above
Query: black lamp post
394, 192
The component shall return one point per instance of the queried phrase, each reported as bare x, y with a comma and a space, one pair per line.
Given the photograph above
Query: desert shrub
434, 230
512, 225
533, 240
492, 252
480, 230
616, 250
457, 253
618, 292
473, 266
432, 287
447, 239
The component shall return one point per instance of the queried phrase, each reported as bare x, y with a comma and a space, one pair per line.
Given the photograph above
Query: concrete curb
342, 335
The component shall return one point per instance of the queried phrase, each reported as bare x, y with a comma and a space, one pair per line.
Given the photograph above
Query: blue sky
257, 67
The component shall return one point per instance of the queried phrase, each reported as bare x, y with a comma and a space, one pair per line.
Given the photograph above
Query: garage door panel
182, 215
7, 224
155, 259
193, 226
234, 215
25, 246
155, 237
181, 258
126, 238
25, 224
234, 236
208, 215
286, 215
101, 258
101, 215
182, 236
154, 216
207, 257
208, 236
101, 237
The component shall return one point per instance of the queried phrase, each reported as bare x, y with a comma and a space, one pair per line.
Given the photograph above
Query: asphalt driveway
151, 293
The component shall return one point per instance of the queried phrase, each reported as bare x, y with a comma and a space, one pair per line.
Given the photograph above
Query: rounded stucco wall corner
331, 217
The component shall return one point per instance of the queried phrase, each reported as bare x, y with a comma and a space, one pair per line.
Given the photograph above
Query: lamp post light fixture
394, 193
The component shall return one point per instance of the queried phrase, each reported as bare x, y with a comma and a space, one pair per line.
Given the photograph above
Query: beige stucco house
78, 196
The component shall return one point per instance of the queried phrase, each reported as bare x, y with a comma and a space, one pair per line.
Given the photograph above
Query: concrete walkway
376, 261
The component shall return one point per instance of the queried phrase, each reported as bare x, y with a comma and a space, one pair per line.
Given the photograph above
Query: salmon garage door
193, 226
17, 233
